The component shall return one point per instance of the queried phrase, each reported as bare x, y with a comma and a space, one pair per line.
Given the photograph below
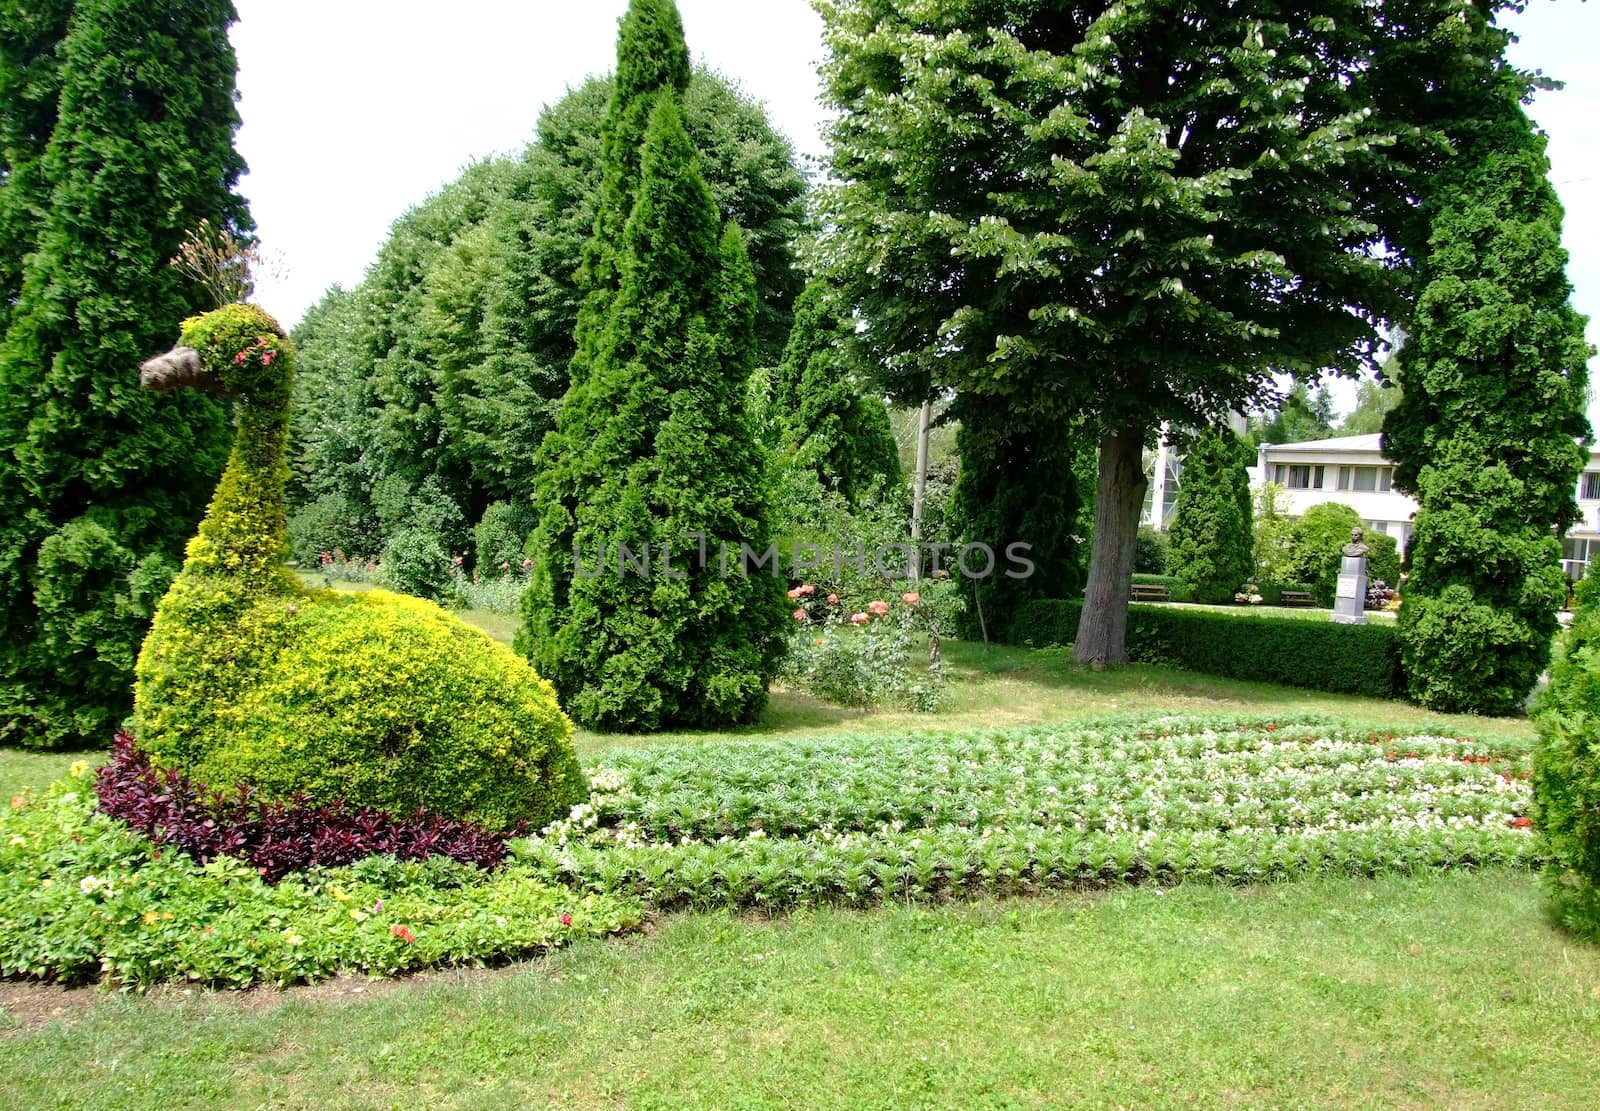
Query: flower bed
83, 897
935, 815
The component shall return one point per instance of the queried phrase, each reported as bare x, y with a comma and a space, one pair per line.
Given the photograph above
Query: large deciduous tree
651, 451
1135, 211
102, 483
1488, 431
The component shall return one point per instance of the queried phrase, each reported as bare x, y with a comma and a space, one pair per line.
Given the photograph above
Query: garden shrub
498, 538
1317, 539
333, 522
1318, 655
1566, 768
1150, 551
377, 699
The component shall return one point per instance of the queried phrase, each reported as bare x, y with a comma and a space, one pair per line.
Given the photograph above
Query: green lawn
1436, 990
1410, 992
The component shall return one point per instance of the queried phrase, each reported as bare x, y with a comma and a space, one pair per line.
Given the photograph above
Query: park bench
1150, 592
1296, 598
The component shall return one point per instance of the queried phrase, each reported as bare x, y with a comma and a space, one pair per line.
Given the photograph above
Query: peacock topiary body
377, 699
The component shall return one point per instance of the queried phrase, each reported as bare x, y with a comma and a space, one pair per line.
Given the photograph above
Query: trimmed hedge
1340, 659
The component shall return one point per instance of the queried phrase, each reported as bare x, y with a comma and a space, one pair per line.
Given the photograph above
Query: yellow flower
77, 770
150, 917
338, 892
293, 938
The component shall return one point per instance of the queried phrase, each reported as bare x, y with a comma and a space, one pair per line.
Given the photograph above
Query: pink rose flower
879, 608
859, 619
799, 615
911, 598
833, 599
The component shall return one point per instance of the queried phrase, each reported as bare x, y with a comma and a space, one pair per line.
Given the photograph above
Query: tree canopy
1137, 211
449, 361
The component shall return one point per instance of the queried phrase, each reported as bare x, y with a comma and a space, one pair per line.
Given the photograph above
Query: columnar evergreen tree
1136, 212
1213, 527
651, 451
30, 36
1018, 484
103, 483
1488, 431
826, 422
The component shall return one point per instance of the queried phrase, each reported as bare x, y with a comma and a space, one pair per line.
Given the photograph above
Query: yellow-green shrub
377, 699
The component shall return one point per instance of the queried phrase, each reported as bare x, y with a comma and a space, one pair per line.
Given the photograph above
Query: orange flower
879, 608
403, 933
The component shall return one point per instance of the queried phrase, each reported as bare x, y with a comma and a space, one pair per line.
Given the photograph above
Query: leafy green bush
416, 559
1566, 768
333, 522
1342, 659
498, 538
84, 898
1150, 551
1317, 539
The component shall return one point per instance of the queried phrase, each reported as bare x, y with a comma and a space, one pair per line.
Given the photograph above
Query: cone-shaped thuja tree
651, 453
828, 422
1487, 431
100, 483
1018, 485
1213, 536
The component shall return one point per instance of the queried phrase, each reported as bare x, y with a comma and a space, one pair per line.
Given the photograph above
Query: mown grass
1400, 992
1439, 990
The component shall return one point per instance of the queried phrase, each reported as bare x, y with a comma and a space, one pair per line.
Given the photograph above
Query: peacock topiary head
235, 351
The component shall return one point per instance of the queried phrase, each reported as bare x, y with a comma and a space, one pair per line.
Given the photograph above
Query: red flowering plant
879, 650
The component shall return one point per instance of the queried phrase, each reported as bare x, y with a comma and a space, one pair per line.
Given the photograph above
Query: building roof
1368, 443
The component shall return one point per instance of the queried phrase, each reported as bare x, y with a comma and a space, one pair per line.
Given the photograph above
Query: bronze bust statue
1356, 549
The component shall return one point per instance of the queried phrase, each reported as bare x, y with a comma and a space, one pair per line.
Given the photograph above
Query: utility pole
919, 487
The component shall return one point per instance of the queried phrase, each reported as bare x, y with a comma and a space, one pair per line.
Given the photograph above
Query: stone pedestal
1350, 599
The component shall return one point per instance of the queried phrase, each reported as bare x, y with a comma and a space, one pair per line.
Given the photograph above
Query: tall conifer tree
651, 451
101, 483
1213, 538
829, 423
1488, 429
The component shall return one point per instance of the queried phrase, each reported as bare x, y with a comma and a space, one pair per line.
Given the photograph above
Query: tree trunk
1103, 629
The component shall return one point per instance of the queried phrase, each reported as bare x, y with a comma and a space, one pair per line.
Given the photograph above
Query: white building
1352, 470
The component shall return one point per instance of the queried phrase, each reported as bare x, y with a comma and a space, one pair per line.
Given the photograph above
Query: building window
1591, 486
1298, 476
1366, 480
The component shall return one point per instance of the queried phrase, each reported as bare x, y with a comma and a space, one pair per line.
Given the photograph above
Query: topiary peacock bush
376, 699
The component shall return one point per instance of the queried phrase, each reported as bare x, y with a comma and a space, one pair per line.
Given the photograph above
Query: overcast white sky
355, 110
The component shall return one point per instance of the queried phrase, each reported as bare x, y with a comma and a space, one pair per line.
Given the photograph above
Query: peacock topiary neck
244, 535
